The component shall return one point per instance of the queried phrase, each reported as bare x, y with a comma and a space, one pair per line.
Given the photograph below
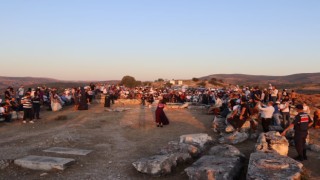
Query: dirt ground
116, 138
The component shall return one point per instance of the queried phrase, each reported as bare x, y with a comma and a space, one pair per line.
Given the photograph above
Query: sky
151, 39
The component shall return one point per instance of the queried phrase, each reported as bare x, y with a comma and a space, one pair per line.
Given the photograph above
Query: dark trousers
236, 122
36, 111
266, 123
28, 114
286, 119
300, 142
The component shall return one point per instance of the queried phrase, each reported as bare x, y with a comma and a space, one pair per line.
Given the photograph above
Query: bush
129, 81
195, 79
202, 83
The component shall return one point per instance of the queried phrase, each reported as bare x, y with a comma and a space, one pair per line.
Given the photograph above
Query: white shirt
274, 92
21, 91
1, 110
284, 107
266, 112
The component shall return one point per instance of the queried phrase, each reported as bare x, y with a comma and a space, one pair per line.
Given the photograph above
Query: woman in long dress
161, 118
55, 102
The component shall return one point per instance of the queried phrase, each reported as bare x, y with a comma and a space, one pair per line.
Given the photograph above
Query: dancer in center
161, 118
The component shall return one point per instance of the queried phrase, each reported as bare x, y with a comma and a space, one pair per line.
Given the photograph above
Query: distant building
180, 82
173, 82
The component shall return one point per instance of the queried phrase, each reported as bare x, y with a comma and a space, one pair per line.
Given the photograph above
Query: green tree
128, 81
195, 79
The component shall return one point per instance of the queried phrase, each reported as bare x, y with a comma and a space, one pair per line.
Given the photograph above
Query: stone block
70, 151
44, 163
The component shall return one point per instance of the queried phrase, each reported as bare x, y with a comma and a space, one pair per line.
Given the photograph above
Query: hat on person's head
299, 106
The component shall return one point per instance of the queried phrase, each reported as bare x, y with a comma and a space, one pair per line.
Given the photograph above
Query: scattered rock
272, 142
273, 166
234, 138
199, 140
245, 127
176, 147
44, 174
229, 129
276, 128
314, 147
5, 163
116, 109
156, 165
213, 167
225, 151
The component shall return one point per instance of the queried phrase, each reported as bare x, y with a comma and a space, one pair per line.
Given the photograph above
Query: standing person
285, 111
240, 114
20, 92
266, 115
276, 114
316, 119
293, 96
27, 108
75, 95
300, 124
274, 94
161, 118
36, 103
107, 101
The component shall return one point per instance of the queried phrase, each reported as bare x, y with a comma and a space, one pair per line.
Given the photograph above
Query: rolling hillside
303, 78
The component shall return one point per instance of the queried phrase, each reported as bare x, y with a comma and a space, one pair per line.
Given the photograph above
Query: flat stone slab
70, 151
44, 163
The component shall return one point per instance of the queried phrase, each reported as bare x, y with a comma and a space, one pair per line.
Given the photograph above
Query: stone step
69, 151
44, 163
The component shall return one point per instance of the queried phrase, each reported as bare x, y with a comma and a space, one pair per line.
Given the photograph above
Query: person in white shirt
285, 111
266, 115
274, 94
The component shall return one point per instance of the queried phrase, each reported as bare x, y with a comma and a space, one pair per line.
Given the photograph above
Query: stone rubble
223, 162
234, 138
199, 140
272, 142
273, 166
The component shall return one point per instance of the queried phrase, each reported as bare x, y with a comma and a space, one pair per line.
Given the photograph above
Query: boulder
199, 140
213, 167
229, 129
245, 127
234, 138
276, 128
156, 165
225, 151
314, 147
272, 142
273, 166
176, 147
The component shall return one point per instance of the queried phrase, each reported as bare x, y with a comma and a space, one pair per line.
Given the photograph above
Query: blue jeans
286, 119
276, 119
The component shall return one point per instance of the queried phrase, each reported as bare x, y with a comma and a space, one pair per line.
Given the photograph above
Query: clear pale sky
150, 39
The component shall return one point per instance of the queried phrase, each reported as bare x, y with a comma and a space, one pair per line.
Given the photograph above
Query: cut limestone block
273, 166
213, 167
272, 142
44, 163
199, 140
234, 138
70, 151
156, 165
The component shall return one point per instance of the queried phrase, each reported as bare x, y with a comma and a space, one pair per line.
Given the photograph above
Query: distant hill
16, 82
26, 81
306, 82
243, 79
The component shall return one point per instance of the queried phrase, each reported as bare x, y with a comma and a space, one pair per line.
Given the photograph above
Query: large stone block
225, 151
199, 140
156, 165
272, 142
44, 163
176, 147
273, 166
71, 151
234, 138
213, 167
